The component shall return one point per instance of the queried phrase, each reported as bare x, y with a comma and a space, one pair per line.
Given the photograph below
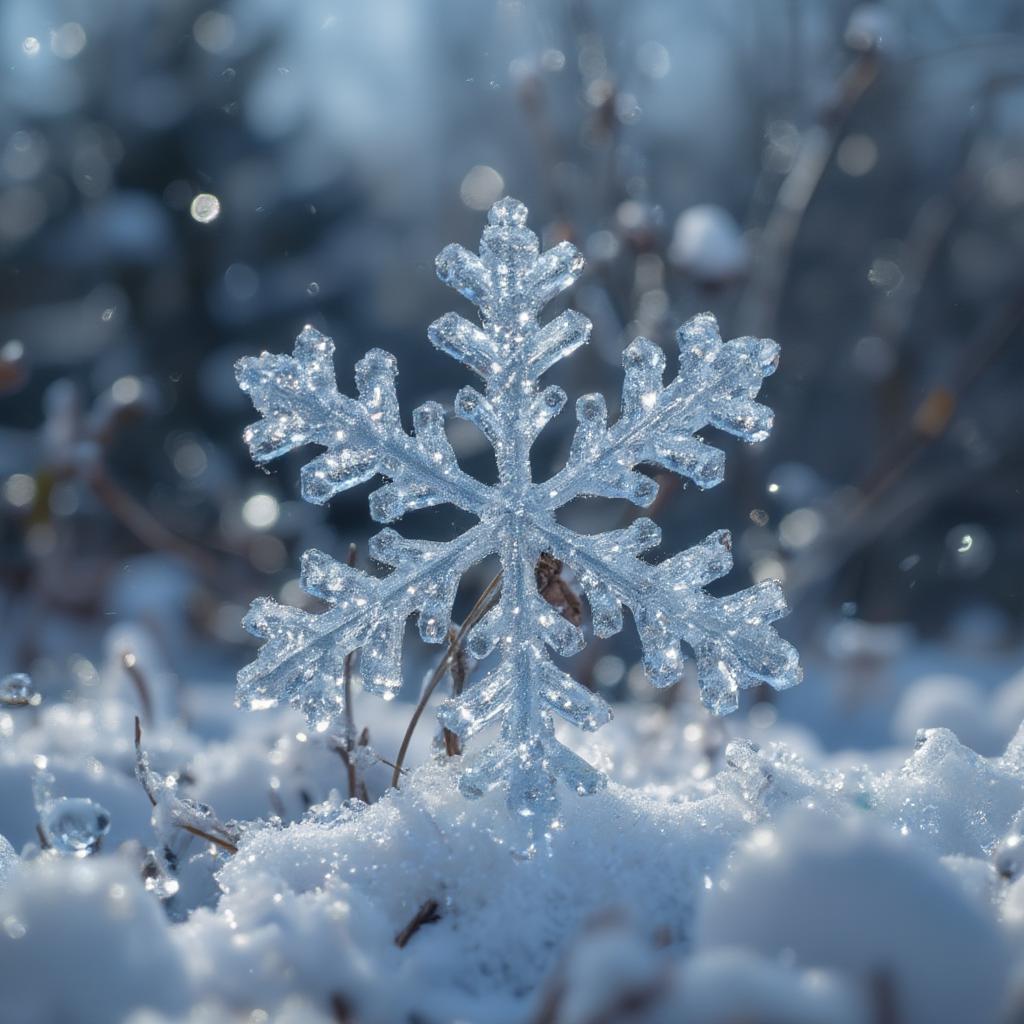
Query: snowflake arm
716, 386
364, 437
303, 655
302, 659
730, 637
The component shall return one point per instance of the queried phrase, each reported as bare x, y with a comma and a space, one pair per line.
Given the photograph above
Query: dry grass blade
223, 843
350, 722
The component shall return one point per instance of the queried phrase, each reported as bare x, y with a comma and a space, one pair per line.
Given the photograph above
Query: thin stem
759, 305
139, 763
138, 520
224, 844
458, 670
483, 605
350, 721
130, 663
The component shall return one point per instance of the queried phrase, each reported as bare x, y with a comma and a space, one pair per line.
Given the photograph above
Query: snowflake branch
300, 402
716, 386
303, 658
731, 637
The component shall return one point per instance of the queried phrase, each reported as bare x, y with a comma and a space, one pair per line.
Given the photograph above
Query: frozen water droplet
75, 825
1009, 857
16, 690
205, 208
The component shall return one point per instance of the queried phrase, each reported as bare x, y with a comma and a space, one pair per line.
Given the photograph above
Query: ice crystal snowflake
302, 658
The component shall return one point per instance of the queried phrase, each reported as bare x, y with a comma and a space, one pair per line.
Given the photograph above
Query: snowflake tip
509, 212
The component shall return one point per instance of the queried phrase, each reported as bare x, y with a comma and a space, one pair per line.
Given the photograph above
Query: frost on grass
302, 659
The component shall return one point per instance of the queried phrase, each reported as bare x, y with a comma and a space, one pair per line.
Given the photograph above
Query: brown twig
222, 840
216, 840
483, 605
147, 529
341, 1011
427, 914
867, 517
459, 670
759, 304
130, 663
350, 721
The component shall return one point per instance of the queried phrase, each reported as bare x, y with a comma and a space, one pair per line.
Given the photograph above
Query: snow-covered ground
732, 870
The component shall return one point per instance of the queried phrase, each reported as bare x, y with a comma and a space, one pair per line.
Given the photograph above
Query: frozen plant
510, 281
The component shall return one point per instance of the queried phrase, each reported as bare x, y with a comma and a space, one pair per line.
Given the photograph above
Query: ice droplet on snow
16, 690
75, 825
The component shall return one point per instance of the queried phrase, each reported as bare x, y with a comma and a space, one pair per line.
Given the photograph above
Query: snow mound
846, 894
82, 941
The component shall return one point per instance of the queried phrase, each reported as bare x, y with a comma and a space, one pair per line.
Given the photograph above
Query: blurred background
183, 183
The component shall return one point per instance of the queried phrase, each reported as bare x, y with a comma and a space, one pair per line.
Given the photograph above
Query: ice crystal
16, 690
510, 281
74, 826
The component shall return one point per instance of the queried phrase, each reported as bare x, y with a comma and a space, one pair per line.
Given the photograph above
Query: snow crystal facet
510, 281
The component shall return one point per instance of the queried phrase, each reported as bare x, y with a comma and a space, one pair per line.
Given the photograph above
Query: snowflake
302, 658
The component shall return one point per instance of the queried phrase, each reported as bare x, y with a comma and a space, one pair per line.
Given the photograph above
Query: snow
952, 702
842, 892
729, 867
707, 243
81, 940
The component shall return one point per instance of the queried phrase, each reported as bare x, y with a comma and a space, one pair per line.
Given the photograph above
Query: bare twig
224, 843
138, 520
340, 1009
130, 663
483, 605
427, 914
759, 304
222, 840
458, 668
350, 722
